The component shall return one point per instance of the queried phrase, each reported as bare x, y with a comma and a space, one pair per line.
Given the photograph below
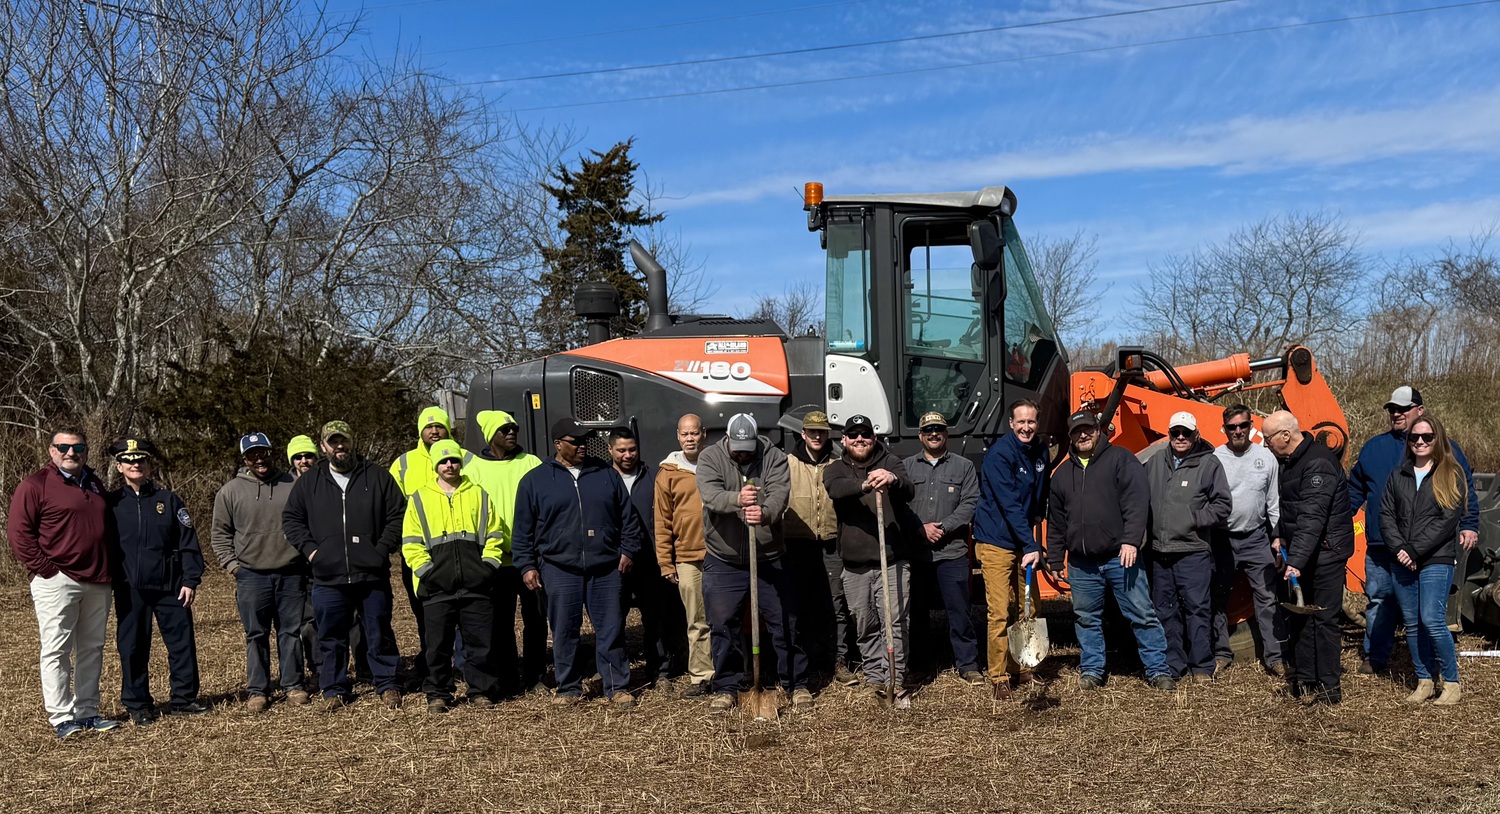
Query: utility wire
1101, 49
656, 27
867, 44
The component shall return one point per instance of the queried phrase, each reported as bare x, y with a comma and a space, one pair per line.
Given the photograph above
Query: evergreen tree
597, 214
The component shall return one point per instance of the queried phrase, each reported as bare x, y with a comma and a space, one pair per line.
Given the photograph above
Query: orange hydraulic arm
1137, 403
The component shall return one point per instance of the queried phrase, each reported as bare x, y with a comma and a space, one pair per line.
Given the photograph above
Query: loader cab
932, 305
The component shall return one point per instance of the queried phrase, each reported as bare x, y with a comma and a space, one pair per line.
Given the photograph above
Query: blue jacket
155, 547
580, 525
1012, 488
1381, 457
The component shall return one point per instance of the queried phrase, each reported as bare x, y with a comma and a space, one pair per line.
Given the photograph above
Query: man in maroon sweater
56, 530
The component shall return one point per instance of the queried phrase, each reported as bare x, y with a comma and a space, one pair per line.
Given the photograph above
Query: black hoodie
1093, 510
859, 542
348, 534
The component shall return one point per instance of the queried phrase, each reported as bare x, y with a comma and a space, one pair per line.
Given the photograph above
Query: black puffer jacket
1315, 516
1413, 521
859, 541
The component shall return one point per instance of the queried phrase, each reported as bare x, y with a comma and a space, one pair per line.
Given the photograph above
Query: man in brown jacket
812, 529
679, 544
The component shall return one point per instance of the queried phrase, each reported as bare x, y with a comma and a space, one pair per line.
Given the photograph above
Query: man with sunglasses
1189, 502
270, 577
56, 526
412, 470
824, 626
1098, 507
575, 534
1249, 541
1381, 456
947, 491
498, 469
1012, 494
868, 471
301, 454
1317, 527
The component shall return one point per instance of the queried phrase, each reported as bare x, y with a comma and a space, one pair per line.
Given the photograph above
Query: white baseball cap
1184, 419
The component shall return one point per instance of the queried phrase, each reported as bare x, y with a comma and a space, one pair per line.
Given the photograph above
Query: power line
656, 27
1082, 51
867, 44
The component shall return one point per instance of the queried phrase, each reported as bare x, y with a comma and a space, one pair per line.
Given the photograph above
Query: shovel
760, 703
1299, 607
1028, 637
885, 595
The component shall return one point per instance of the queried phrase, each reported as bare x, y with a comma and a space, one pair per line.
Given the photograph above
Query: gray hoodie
247, 523
720, 480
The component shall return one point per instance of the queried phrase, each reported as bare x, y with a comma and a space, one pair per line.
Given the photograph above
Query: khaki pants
71, 618
1004, 580
700, 656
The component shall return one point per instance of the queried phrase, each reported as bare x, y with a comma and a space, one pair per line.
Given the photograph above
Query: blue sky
1392, 123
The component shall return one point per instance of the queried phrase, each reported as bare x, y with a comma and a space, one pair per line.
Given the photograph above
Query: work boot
696, 689
802, 700
1451, 694
391, 699
1221, 665
843, 675
480, 702
973, 678
1088, 681
1000, 690
1027, 677
334, 703
1370, 668
566, 700
437, 706
257, 704
902, 700
723, 702
1424, 691
1163, 682
298, 696
1277, 669
622, 700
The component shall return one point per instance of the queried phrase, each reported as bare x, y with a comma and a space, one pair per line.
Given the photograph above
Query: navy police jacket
154, 545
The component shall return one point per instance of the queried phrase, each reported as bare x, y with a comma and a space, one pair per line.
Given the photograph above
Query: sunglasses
1180, 433
1422, 437
858, 434
1087, 429
1400, 410
78, 449
304, 456
932, 429
572, 442
1240, 427
509, 429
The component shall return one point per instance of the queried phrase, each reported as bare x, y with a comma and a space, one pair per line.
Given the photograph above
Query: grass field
1233, 746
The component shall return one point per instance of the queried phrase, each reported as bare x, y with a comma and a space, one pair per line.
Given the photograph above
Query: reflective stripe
468, 456
433, 542
484, 513
403, 463
411, 540
455, 537
421, 514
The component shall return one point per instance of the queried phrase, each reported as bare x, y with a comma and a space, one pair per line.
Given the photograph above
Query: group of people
483, 535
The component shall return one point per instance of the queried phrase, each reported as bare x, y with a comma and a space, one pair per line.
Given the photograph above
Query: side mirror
984, 239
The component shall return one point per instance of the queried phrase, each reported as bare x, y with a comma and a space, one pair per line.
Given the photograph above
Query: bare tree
798, 309
1066, 270
1296, 279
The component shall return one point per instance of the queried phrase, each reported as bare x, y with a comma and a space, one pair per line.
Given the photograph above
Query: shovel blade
1028, 642
762, 705
1303, 610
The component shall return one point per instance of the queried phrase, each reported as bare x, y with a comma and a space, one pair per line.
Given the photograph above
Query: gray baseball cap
742, 433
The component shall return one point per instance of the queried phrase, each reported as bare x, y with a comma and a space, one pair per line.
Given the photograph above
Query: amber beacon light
812, 193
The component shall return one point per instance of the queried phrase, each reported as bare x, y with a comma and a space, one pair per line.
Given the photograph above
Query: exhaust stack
657, 317
596, 304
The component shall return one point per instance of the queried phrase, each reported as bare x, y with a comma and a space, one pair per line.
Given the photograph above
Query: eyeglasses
933, 429
79, 449
1240, 427
304, 456
1422, 437
858, 434
1179, 432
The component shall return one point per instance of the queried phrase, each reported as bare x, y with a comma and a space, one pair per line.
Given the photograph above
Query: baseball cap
742, 433
932, 419
255, 440
1184, 419
444, 450
1405, 396
816, 420
333, 428
859, 420
1082, 418
568, 428
130, 450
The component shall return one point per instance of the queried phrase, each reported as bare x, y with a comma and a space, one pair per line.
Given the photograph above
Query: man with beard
498, 469
301, 454
270, 576
678, 513
1189, 502
345, 517
575, 534
745, 483
1098, 522
1317, 526
1249, 543
412, 470
1012, 496
823, 624
868, 472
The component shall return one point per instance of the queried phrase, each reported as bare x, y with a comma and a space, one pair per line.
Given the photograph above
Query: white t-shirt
630, 479
340, 478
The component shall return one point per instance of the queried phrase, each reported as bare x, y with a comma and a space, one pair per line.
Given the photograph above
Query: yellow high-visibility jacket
453, 543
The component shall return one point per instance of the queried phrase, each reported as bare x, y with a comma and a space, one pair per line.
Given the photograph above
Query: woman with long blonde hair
1419, 515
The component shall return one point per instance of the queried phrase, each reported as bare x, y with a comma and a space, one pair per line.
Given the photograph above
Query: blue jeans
1380, 616
1424, 604
266, 599
335, 606
726, 603
1089, 580
568, 594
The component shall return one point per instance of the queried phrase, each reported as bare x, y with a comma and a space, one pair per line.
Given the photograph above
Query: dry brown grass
1234, 746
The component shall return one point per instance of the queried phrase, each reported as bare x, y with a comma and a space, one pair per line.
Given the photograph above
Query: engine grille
596, 396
